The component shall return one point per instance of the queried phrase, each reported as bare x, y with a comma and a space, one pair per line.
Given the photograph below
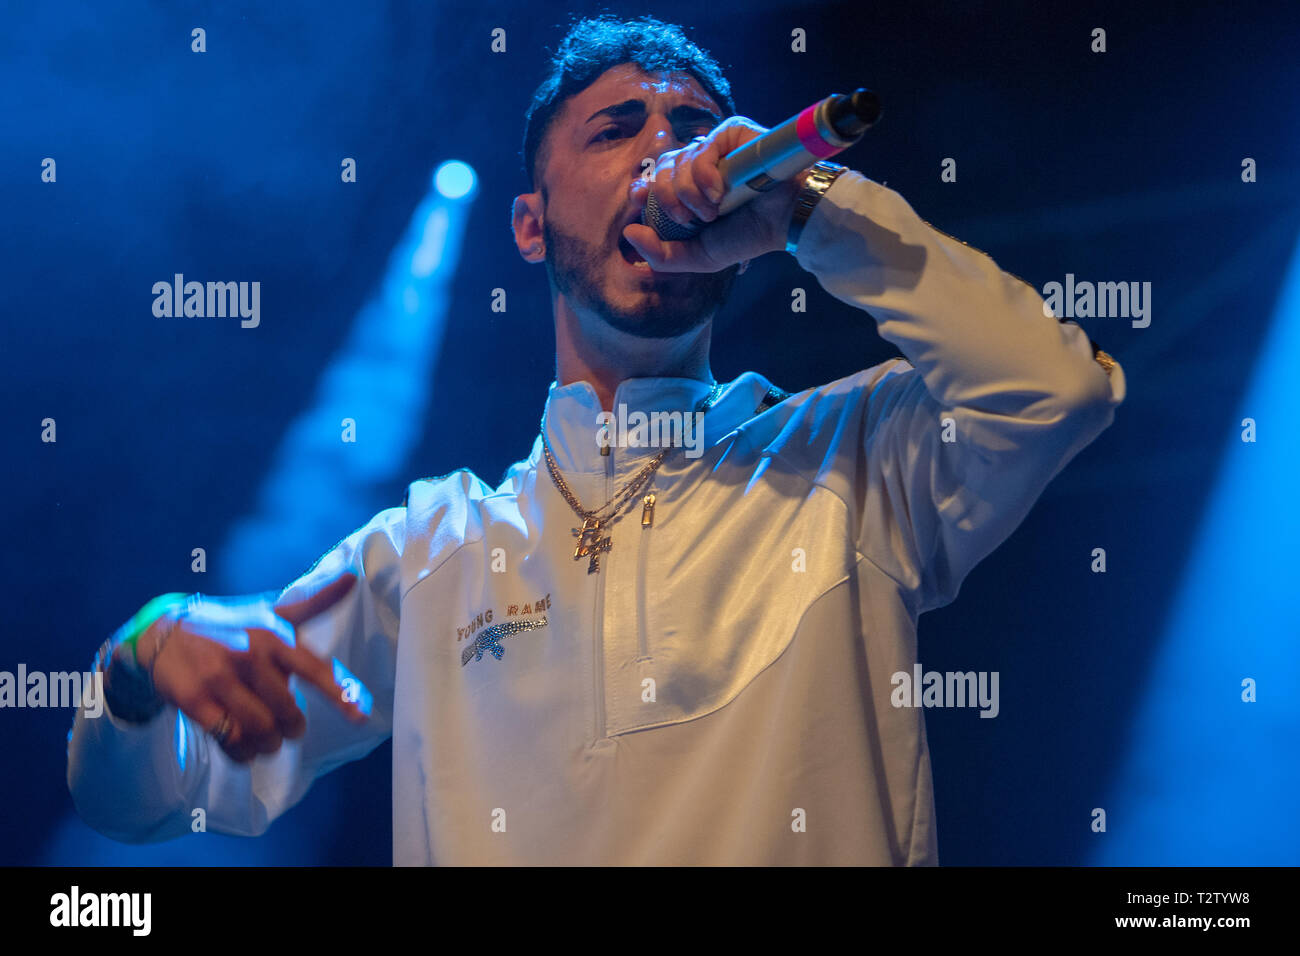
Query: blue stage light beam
381, 380
1211, 779
321, 486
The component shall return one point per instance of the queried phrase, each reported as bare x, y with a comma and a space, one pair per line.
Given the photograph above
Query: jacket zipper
598, 625
643, 555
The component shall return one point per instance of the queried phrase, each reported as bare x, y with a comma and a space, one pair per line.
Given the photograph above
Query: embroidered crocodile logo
489, 639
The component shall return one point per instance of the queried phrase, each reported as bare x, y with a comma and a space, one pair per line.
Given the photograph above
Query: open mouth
631, 255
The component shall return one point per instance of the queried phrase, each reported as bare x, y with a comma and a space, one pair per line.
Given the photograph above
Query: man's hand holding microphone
752, 179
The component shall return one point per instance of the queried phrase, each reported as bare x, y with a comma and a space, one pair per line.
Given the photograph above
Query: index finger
298, 612
299, 660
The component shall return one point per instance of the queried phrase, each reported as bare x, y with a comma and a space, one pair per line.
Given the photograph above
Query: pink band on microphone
805, 126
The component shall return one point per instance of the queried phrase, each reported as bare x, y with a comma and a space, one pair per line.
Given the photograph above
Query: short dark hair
595, 44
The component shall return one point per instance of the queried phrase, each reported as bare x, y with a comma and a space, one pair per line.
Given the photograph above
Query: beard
675, 307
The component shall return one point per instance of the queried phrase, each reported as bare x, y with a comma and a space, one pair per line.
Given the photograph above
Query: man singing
638, 652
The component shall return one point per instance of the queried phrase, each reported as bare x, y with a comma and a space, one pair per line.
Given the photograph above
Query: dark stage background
1119, 690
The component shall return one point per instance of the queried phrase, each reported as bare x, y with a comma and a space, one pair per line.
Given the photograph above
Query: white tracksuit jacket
720, 692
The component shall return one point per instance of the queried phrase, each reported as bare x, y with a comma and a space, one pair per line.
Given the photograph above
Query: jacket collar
574, 423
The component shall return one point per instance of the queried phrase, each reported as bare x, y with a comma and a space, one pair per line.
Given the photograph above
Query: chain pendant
590, 543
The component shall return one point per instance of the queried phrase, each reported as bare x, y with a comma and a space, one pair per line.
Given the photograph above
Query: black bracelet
128, 691
128, 688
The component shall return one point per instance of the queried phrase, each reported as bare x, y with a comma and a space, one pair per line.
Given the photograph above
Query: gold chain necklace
591, 544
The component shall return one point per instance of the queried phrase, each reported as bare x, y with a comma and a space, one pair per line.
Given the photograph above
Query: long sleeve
994, 398
142, 783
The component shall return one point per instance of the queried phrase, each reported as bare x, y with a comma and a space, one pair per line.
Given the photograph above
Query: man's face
595, 149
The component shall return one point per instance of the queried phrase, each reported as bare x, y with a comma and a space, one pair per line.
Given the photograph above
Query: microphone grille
667, 228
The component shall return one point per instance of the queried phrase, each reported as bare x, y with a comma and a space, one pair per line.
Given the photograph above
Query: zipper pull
647, 511
604, 445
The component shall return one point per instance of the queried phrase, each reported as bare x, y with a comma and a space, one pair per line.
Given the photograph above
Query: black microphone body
825, 128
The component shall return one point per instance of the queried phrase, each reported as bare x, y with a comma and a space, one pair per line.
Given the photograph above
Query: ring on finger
225, 727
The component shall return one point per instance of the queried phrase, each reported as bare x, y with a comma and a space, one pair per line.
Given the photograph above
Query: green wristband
142, 618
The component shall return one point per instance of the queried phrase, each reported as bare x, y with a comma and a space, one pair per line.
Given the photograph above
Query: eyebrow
677, 115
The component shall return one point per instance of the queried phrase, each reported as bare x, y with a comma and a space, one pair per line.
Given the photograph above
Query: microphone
825, 128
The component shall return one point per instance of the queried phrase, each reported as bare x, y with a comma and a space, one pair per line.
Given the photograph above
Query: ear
526, 220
